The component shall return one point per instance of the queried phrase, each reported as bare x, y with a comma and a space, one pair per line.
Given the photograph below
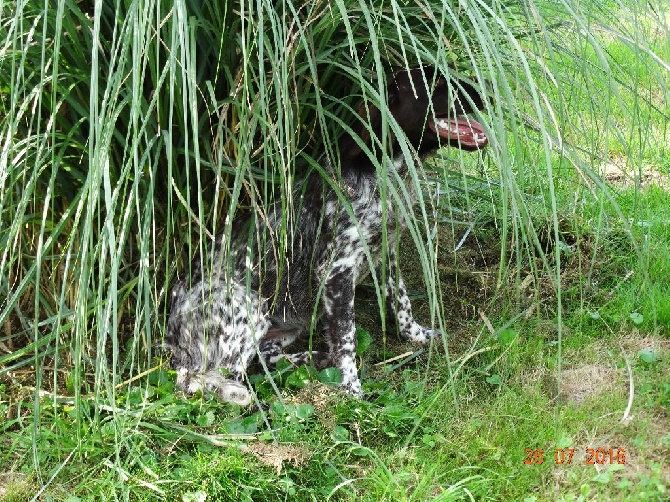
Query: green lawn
417, 436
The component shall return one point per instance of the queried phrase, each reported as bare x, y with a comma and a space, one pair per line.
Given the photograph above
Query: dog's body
250, 303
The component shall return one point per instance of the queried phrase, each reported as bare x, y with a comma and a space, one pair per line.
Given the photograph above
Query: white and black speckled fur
248, 304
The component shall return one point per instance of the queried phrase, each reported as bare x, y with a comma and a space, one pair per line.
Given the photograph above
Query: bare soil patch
617, 172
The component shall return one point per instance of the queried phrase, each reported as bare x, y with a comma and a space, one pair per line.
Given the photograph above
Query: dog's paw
350, 382
352, 387
182, 378
227, 390
320, 360
430, 334
234, 392
421, 334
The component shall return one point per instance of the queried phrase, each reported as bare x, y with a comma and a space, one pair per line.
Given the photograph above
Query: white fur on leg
350, 382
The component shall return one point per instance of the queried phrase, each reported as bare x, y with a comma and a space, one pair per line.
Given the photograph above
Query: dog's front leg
338, 303
400, 306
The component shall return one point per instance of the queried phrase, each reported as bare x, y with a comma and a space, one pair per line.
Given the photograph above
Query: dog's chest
335, 233
355, 226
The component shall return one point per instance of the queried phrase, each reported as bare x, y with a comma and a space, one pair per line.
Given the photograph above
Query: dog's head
431, 111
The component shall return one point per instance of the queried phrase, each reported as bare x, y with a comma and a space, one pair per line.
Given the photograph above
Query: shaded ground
467, 285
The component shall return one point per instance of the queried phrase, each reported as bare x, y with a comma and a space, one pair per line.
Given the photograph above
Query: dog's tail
228, 390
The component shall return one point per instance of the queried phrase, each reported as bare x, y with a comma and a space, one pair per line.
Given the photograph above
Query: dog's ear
393, 94
397, 85
368, 119
403, 83
469, 97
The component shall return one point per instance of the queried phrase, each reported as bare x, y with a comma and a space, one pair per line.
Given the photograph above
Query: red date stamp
592, 456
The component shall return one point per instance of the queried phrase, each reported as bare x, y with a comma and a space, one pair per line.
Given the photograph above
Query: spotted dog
253, 300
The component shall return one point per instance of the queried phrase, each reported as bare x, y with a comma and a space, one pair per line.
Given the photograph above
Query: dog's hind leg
212, 343
271, 349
